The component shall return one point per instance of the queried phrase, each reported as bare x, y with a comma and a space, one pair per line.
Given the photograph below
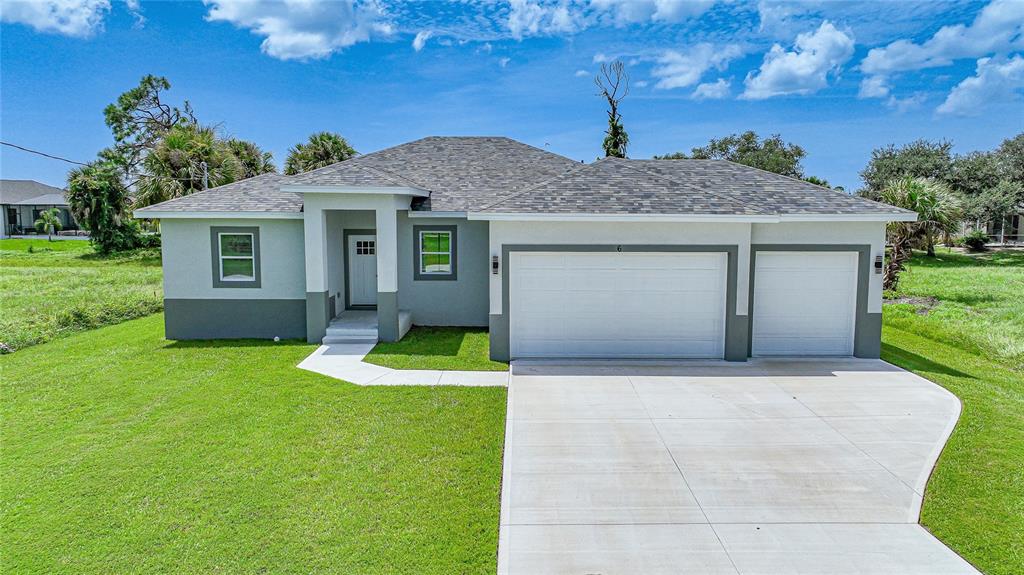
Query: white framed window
237, 257
435, 252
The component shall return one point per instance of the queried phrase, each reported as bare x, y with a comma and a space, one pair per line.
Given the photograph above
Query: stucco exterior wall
188, 261
462, 301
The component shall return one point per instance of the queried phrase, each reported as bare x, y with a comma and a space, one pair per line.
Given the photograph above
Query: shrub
975, 241
149, 241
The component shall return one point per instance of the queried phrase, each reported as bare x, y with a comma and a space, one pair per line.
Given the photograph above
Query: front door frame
345, 263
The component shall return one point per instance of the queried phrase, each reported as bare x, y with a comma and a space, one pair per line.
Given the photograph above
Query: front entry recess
362, 270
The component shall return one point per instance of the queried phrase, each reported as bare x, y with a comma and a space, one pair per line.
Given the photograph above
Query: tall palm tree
188, 159
49, 222
252, 159
322, 149
936, 211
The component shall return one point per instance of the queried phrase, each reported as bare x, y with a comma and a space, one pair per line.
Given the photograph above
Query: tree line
161, 152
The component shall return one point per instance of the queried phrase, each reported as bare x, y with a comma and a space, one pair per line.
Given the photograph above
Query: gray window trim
215, 232
454, 243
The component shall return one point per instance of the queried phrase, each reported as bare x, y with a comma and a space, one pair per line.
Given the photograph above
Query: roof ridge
719, 194
575, 169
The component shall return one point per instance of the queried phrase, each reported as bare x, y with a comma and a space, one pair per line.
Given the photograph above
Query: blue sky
838, 78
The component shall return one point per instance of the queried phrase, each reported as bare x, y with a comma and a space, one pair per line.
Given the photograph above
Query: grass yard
126, 453
448, 348
964, 331
62, 287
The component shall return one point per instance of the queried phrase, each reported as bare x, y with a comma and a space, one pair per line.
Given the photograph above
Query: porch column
317, 304
387, 273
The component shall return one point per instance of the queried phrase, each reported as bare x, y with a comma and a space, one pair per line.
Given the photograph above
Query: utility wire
42, 153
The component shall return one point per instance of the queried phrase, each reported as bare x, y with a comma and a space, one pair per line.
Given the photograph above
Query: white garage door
619, 304
804, 303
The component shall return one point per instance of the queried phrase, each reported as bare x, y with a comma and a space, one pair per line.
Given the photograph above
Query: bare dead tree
613, 86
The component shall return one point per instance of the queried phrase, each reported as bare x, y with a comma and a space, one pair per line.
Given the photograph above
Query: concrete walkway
768, 467
345, 361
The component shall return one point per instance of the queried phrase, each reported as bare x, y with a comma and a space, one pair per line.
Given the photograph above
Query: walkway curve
344, 361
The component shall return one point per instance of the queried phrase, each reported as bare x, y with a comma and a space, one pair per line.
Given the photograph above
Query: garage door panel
804, 303
618, 305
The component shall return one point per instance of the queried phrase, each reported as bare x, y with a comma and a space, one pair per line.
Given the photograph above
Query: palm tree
49, 222
253, 160
188, 159
322, 149
936, 211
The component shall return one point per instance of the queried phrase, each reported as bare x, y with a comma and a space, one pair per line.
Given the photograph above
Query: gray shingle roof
616, 186
257, 194
14, 191
500, 175
461, 173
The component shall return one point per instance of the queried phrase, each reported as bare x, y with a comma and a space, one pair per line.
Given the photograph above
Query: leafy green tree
817, 181
49, 222
139, 119
188, 159
99, 201
613, 86
919, 159
251, 158
771, 154
322, 149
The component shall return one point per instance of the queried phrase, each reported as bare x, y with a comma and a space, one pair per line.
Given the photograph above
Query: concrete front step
329, 339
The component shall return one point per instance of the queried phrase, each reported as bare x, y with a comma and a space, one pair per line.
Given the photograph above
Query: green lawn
969, 340
61, 287
126, 453
450, 348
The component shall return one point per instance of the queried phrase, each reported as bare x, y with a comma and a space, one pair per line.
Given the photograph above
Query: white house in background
612, 259
21, 202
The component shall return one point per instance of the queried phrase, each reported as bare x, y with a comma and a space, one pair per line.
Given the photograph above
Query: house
21, 202
617, 258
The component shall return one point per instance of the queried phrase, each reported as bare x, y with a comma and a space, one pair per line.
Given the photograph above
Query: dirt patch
924, 304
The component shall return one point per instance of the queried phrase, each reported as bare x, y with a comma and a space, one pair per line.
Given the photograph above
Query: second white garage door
617, 305
804, 303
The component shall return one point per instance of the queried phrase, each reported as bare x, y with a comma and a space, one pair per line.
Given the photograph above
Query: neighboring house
1009, 231
617, 258
21, 202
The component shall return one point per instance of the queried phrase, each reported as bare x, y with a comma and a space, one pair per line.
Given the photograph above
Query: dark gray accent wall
234, 318
867, 330
387, 316
318, 315
736, 326
462, 302
344, 262
416, 246
215, 255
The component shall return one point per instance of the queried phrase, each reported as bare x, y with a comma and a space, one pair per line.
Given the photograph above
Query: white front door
804, 303
362, 270
624, 305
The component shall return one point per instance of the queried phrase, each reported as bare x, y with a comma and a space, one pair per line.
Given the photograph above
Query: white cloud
995, 80
503, 62
679, 70
601, 57
135, 9
421, 39
805, 69
640, 83
903, 105
874, 87
75, 18
581, 73
530, 18
712, 90
622, 12
998, 28
304, 29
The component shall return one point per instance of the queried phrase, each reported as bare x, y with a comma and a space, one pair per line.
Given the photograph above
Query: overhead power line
44, 154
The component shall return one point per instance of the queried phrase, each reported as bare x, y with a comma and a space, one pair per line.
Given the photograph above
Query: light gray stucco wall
195, 309
463, 301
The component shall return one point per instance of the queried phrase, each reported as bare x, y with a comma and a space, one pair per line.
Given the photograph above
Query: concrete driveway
768, 467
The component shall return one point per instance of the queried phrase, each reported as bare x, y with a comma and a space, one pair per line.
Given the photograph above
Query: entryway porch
360, 326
